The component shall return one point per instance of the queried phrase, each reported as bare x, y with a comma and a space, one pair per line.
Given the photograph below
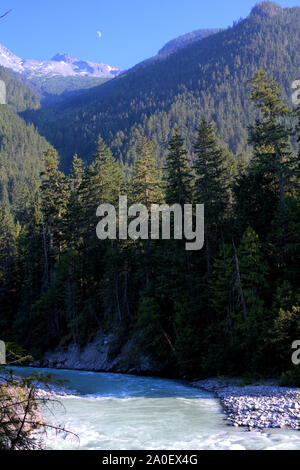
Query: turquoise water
123, 412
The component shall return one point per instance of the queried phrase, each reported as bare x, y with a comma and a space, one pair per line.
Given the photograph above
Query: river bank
105, 353
256, 406
20, 415
261, 405
127, 412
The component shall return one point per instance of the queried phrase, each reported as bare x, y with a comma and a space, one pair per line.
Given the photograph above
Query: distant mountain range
195, 75
65, 75
63, 65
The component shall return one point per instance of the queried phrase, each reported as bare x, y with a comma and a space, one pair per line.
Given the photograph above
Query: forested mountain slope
208, 77
19, 96
178, 43
228, 308
183, 41
56, 89
21, 147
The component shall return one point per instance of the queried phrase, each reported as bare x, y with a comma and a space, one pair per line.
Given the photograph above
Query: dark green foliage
291, 378
145, 186
21, 147
53, 90
178, 173
212, 183
232, 308
18, 94
208, 77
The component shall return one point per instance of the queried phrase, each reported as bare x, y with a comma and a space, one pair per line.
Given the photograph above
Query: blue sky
132, 30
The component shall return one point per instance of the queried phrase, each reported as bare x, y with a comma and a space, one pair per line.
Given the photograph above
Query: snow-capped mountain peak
60, 65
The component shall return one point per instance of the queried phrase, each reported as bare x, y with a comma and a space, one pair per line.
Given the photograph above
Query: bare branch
5, 14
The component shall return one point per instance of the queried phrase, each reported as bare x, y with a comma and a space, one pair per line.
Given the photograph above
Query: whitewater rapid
122, 412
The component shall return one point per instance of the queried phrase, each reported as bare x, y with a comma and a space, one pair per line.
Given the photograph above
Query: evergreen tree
178, 173
273, 155
273, 170
73, 218
250, 288
8, 274
179, 190
54, 193
145, 187
108, 177
220, 335
211, 185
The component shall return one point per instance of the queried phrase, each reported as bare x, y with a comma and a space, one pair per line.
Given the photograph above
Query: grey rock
256, 406
98, 355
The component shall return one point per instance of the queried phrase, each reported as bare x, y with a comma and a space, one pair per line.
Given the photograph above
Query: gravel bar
256, 406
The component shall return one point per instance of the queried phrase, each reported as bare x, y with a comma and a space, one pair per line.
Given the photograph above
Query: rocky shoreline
256, 406
99, 355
